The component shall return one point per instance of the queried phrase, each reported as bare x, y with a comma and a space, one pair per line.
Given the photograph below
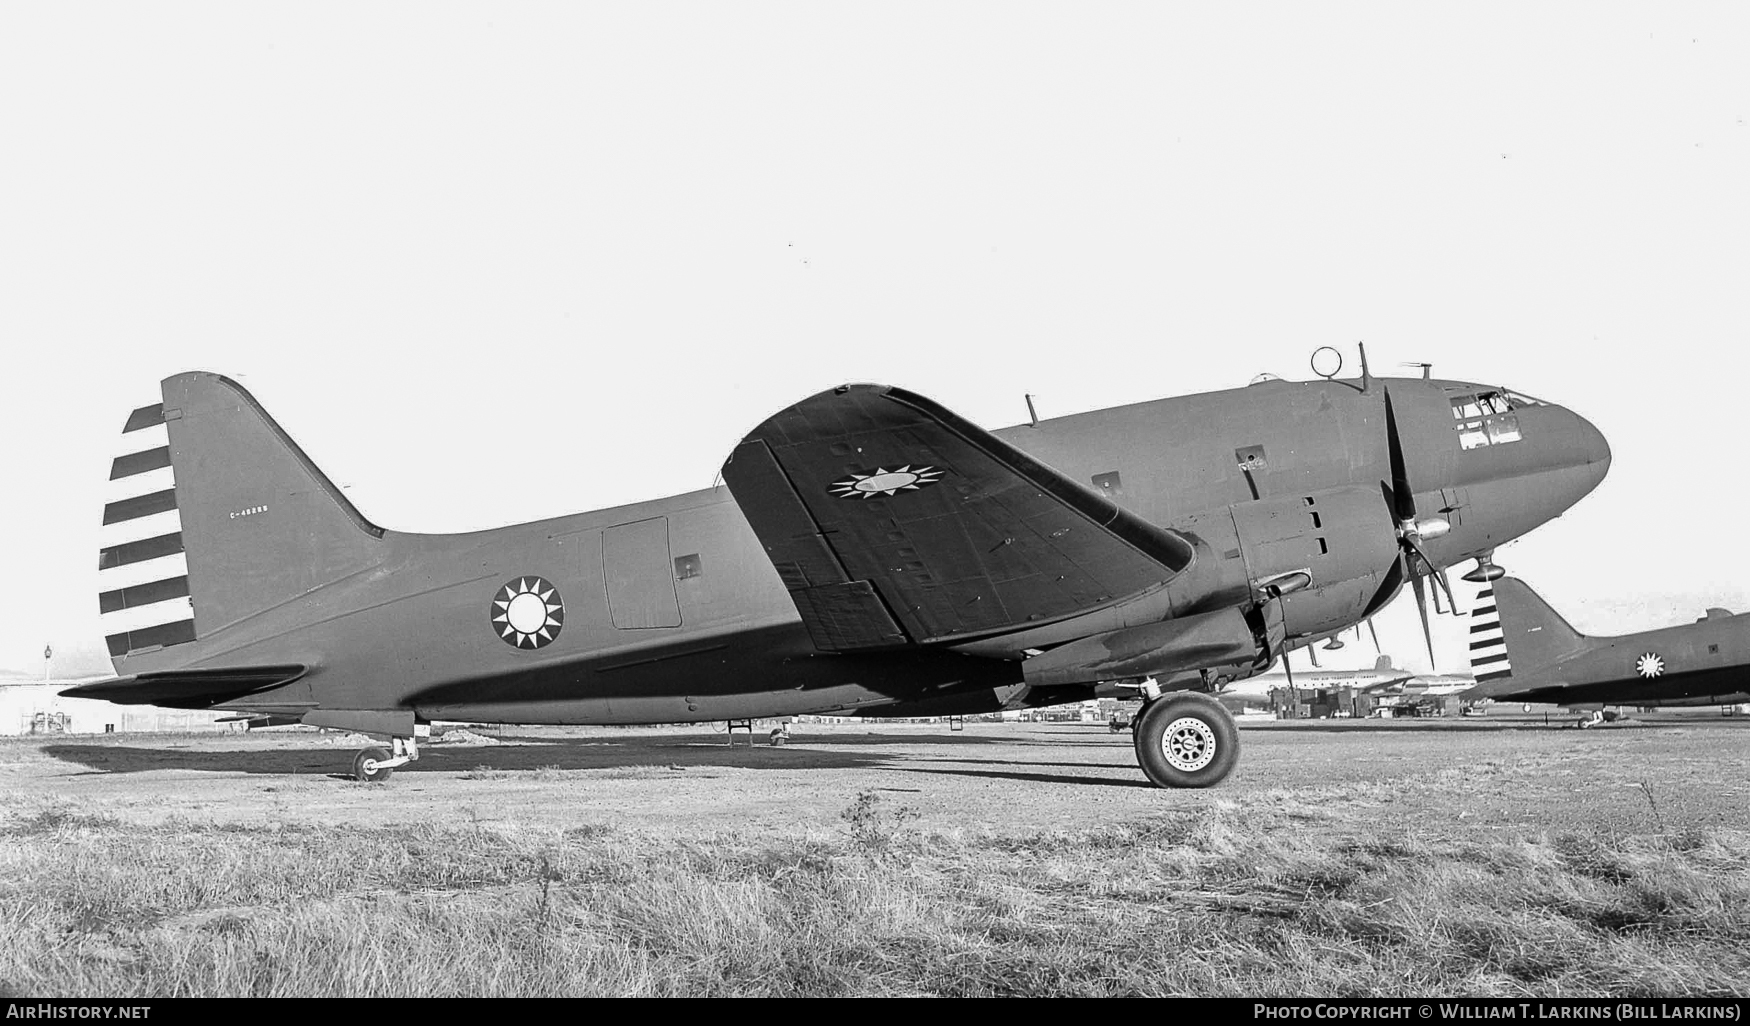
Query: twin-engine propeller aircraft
872, 554
1523, 651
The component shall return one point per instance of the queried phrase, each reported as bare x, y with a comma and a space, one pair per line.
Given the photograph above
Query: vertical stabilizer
213, 515
1512, 627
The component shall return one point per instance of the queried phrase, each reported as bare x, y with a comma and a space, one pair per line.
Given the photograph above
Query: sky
490, 263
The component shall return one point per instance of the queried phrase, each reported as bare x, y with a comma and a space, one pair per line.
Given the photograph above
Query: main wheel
365, 767
1186, 740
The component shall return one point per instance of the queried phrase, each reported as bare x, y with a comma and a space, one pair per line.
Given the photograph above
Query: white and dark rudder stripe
142, 569
1488, 645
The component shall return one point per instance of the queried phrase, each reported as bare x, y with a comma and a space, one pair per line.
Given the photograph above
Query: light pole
48, 653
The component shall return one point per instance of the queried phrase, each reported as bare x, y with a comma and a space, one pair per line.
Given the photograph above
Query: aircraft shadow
1038, 778
563, 754
956, 740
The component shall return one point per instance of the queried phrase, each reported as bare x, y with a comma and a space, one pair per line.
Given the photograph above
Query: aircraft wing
893, 521
1389, 684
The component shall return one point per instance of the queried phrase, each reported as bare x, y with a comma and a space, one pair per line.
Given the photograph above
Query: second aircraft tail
1513, 627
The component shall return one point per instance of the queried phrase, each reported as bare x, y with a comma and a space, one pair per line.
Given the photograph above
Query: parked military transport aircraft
1523, 651
1392, 686
872, 554
1254, 692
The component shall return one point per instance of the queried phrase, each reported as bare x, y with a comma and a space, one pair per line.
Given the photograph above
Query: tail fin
1512, 626
1383, 663
214, 514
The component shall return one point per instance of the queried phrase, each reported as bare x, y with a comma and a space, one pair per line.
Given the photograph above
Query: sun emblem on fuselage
528, 613
885, 482
1650, 665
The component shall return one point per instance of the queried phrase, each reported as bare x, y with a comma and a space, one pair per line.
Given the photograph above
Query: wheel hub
1188, 744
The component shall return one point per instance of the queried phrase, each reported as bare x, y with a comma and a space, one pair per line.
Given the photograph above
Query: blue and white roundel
528, 613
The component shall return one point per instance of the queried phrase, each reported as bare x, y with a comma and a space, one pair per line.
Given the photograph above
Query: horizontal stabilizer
188, 689
894, 521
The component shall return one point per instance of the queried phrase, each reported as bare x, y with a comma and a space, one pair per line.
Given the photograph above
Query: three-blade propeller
1411, 529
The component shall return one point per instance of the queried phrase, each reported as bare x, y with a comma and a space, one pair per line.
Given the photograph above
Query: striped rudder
214, 516
1537, 637
142, 567
1488, 645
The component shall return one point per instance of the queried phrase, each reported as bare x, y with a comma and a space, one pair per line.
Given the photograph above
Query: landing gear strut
1186, 740
373, 765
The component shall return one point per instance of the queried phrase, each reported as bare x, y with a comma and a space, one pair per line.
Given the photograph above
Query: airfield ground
1495, 855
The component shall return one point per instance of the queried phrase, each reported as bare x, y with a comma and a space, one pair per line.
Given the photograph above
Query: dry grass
1257, 898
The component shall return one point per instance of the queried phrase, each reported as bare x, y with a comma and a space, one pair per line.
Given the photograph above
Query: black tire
372, 774
1186, 740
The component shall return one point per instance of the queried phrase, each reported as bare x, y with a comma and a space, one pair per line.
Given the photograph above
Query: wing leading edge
893, 521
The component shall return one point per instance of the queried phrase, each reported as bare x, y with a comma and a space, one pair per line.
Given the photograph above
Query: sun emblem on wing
528, 613
885, 482
1650, 665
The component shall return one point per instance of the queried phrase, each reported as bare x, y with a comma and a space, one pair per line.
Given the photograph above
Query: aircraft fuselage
671, 610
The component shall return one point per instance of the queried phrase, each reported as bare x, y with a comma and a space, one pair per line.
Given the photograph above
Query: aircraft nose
1594, 451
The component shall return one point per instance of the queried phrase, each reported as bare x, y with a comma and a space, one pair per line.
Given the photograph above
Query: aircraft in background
871, 553
1254, 692
1523, 651
1392, 686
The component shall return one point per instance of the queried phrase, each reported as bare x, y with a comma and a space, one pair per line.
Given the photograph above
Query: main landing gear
373, 765
1186, 739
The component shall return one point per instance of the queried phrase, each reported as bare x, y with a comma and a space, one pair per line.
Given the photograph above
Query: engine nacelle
1188, 643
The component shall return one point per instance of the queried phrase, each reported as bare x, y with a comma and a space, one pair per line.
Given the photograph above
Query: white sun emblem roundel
1650, 665
885, 482
528, 613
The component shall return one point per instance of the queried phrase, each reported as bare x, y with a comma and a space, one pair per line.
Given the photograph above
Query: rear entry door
640, 575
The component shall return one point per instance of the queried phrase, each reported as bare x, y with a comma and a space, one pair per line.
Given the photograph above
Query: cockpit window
1486, 418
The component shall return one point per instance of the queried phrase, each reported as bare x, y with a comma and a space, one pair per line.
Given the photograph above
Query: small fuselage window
1484, 419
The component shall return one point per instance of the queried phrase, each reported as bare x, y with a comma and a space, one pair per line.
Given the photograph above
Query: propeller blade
1422, 608
1446, 586
1403, 499
1288, 667
1373, 632
1312, 653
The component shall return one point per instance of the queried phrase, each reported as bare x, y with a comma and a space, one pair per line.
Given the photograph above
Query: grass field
1254, 897
1493, 858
